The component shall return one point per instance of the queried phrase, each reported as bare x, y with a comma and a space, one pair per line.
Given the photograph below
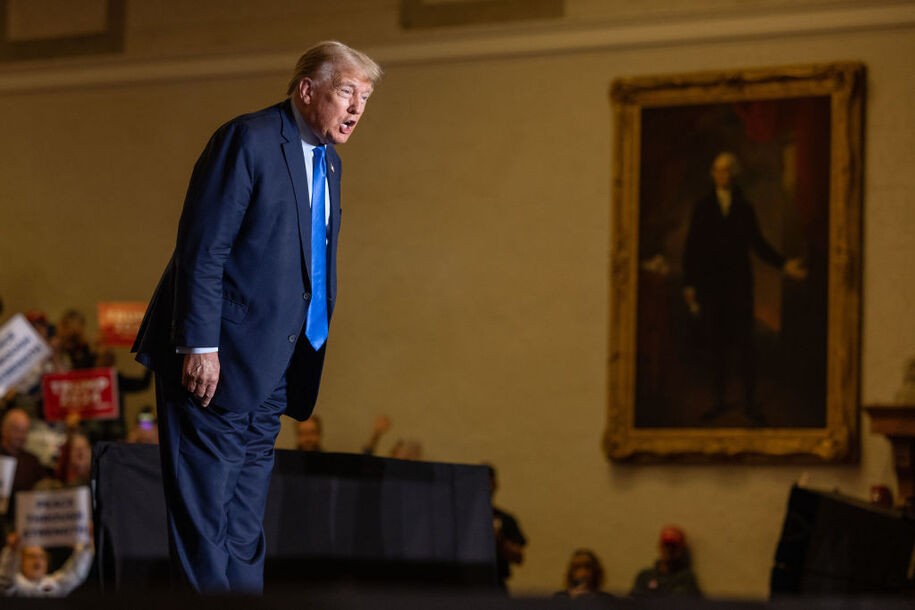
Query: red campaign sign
93, 393
119, 322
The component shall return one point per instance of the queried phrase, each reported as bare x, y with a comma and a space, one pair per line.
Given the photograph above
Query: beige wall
474, 265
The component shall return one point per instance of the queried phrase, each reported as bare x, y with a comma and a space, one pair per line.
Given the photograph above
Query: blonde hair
327, 59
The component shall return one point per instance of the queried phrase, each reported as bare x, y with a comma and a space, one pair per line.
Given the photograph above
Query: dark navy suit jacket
716, 261
239, 277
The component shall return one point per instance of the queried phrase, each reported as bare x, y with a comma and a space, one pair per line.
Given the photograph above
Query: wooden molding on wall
63, 74
422, 14
106, 38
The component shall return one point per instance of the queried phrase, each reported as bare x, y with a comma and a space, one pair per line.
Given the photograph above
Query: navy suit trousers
216, 468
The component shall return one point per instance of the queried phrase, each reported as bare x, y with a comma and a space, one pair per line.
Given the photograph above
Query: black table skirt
330, 517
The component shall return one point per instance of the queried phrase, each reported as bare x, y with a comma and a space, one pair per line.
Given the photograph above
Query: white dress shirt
309, 142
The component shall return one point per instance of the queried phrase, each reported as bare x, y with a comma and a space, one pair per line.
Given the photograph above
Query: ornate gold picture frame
735, 265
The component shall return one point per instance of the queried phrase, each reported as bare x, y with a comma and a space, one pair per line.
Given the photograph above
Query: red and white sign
119, 322
93, 393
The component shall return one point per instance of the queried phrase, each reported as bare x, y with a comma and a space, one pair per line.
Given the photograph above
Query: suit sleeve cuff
195, 350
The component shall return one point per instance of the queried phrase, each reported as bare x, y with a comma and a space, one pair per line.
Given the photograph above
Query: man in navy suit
236, 328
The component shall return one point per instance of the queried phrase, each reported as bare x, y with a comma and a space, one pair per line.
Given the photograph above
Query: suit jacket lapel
295, 163
333, 181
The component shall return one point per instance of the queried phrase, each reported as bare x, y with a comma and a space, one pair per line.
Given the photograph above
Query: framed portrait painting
735, 264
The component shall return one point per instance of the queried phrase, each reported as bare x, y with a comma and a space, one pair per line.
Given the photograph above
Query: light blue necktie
316, 326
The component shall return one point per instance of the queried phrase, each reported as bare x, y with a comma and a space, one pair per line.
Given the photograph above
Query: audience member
74, 468
145, 432
44, 442
116, 429
672, 574
308, 434
44, 439
74, 347
13, 433
39, 321
584, 576
510, 540
24, 572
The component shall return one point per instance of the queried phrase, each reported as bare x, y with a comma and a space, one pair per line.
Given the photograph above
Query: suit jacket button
306, 296
292, 338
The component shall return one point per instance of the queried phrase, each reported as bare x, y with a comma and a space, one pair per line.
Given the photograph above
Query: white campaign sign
59, 517
21, 349
7, 474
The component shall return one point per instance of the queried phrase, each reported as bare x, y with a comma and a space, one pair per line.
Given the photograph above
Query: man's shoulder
23, 457
270, 114
26, 456
502, 514
269, 119
649, 572
643, 579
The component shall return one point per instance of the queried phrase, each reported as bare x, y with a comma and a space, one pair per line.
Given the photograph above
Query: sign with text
21, 350
58, 517
92, 393
119, 321
7, 474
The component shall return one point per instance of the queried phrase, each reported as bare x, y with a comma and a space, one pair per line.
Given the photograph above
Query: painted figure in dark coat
718, 280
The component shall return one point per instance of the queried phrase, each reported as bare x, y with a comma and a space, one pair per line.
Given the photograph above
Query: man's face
722, 172
80, 459
308, 438
71, 328
15, 431
671, 552
34, 563
582, 571
332, 107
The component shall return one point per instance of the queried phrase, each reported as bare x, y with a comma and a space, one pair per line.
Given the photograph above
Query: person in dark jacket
672, 573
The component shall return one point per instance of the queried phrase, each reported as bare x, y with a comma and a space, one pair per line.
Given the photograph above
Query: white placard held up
21, 349
58, 517
7, 474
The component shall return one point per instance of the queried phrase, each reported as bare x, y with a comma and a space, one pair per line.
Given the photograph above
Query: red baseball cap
673, 536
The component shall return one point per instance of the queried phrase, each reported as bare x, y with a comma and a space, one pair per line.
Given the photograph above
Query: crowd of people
58, 455
310, 437
71, 350
24, 568
53, 455
671, 575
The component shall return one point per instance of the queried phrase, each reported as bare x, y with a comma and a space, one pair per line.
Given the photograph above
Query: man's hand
795, 269
200, 375
382, 425
689, 295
